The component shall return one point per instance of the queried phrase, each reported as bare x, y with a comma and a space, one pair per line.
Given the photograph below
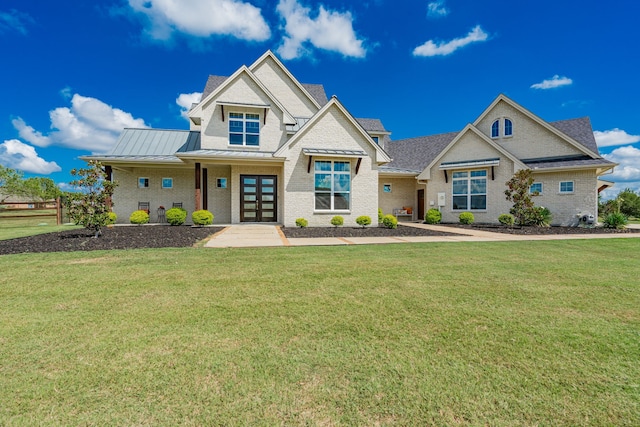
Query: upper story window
495, 129
501, 127
469, 190
332, 185
244, 129
376, 139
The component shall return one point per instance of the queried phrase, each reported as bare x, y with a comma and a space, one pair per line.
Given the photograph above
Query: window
386, 188
376, 139
495, 129
167, 182
332, 185
143, 182
244, 129
221, 182
469, 190
536, 188
508, 127
566, 186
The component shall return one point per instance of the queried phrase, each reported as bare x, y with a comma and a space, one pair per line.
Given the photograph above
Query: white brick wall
529, 140
404, 192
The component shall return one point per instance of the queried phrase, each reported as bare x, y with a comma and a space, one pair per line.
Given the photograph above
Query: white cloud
431, 48
30, 134
14, 20
553, 82
613, 137
330, 30
626, 174
18, 155
89, 124
202, 18
185, 100
437, 9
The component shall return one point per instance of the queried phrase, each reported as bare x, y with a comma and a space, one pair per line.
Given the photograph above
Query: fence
29, 209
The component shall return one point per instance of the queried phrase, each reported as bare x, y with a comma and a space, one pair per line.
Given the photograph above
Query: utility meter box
441, 199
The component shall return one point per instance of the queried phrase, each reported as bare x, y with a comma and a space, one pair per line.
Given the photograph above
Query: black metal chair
177, 205
144, 206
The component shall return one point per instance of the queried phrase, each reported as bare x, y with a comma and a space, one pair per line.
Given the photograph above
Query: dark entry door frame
258, 198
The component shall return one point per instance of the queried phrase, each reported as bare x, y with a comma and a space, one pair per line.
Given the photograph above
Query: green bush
433, 216
615, 220
540, 217
337, 221
202, 217
466, 218
363, 220
390, 221
380, 215
506, 219
176, 216
301, 222
139, 217
112, 218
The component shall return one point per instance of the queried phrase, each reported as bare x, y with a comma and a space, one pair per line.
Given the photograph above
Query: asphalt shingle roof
372, 125
578, 129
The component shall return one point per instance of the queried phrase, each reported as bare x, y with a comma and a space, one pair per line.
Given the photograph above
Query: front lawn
501, 334
32, 222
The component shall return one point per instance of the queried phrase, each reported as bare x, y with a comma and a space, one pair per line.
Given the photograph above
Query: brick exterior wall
404, 192
127, 194
219, 199
333, 130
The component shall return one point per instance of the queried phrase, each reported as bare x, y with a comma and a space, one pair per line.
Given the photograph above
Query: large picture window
244, 129
469, 190
332, 185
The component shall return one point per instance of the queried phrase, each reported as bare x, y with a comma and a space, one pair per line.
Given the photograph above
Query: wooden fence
22, 209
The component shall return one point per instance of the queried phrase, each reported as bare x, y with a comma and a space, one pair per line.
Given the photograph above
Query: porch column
198, 183
108, 170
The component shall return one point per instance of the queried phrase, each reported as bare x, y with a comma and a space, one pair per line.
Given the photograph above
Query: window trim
468, 178
163, 182
244, 133
146, 182
541, 188
573, 187
221, 182
499, 128
387, 188
332, 191
495, 129
505, 120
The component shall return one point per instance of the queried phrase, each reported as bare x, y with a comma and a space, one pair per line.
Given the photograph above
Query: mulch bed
124, 237
531, 231
402, 230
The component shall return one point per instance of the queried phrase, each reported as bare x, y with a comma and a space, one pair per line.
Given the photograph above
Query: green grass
11, 228
500, 334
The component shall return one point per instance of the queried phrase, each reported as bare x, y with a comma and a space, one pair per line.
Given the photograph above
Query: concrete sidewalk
258, 235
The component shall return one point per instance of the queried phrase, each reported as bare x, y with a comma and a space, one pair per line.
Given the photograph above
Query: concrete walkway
258, 235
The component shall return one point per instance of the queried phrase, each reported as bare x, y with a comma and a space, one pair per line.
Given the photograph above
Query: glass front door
258, 198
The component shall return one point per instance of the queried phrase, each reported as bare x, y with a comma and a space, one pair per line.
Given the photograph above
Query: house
263, 147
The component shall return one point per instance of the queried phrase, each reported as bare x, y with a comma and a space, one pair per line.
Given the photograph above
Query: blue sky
74, 73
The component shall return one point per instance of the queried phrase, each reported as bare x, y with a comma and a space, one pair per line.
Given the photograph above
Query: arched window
495, 129
508, 127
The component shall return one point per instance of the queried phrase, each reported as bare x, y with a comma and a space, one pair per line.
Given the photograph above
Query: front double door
258, 198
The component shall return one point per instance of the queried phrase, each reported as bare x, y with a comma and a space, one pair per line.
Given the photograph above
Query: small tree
517, 191
11, 183
90, 206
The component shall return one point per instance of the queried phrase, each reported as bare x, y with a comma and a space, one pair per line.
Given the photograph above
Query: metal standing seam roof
155, 142
333, 152
227, 153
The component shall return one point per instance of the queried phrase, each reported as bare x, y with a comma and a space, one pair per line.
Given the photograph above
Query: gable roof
381, 155
426, 173
372, 125
579, 129
196, 111
503, 98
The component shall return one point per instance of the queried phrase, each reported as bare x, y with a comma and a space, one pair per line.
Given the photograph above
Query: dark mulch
360, 232
124, 237
542, 230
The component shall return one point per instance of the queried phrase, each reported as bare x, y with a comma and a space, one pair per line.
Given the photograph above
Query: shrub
540, 217
139, 217
337, 221
301, 222
202, 217
615, 220
506, 219
112, 218
433, 216
363, 220
390, 221
466, 218
176, 216
380, 214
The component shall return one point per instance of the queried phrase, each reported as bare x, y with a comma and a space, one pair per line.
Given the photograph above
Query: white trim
162, 183
573, 187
